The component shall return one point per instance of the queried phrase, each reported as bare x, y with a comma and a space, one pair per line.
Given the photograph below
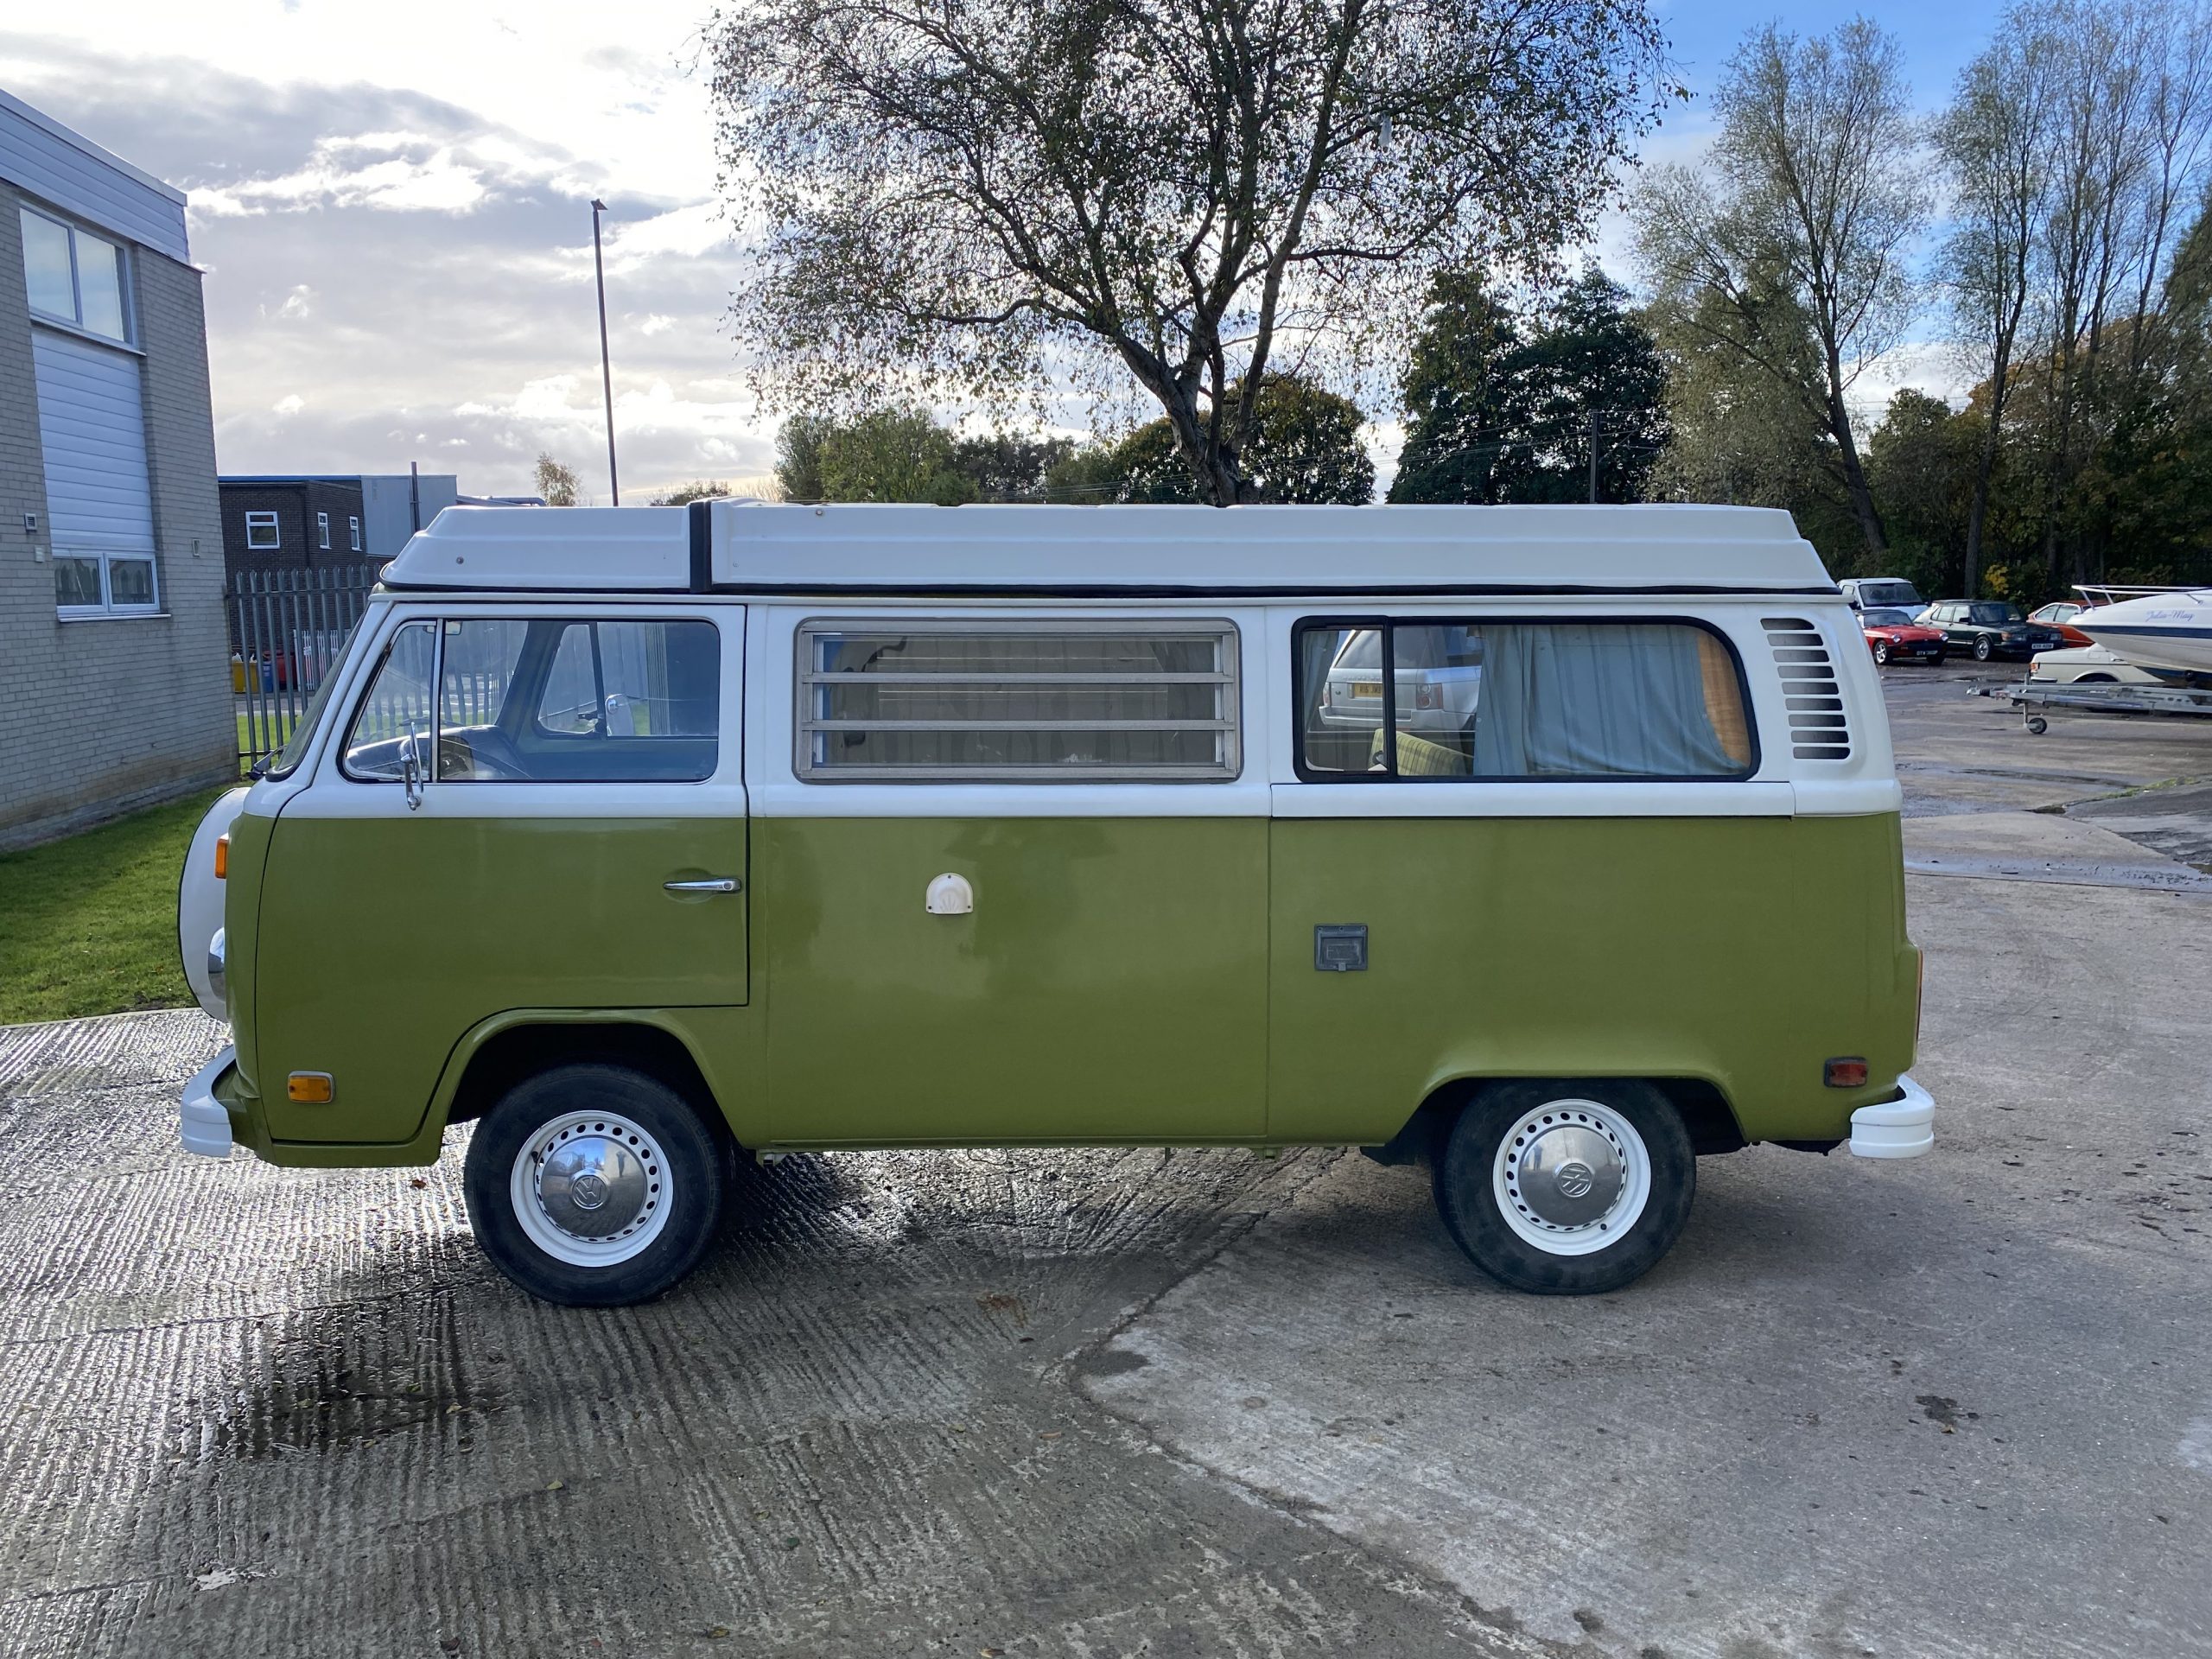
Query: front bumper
1904, 1128
202, 1123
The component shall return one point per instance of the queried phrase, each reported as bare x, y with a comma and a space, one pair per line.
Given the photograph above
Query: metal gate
288, 628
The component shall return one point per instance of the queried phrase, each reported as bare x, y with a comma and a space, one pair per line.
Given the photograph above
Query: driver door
540, 811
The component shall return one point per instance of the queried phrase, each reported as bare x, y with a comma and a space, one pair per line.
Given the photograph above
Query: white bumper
203, 1124
1896, 1128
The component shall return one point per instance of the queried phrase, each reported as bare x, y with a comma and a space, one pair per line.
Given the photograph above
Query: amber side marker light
222, 858
1840, 1074
311, 1087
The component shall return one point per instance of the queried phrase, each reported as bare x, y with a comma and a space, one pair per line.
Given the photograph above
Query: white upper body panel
757, 548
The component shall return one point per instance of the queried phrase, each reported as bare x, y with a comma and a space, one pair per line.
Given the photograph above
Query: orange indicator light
311, 1087
222, 858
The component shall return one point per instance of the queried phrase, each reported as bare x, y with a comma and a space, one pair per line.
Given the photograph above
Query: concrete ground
1195, 1403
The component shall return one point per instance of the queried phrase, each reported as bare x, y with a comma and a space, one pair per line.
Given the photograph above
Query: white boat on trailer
2167, 629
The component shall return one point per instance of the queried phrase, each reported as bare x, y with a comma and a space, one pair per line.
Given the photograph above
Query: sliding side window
1045, 701
1426, 699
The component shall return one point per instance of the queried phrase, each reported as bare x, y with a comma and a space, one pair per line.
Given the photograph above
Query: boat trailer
2037, 699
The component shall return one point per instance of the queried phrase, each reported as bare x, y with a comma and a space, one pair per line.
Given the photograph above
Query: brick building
114, 683
312, 522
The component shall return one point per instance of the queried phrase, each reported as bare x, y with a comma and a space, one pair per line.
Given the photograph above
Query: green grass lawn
271, 728
88, 925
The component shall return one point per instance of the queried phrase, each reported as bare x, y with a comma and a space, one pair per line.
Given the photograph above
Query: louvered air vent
1817, 729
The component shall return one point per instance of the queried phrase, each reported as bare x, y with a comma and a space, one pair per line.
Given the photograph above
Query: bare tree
1791, 252
1996, 142
960, 196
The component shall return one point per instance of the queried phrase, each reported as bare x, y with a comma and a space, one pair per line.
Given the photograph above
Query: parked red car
1894, 637
2060, 615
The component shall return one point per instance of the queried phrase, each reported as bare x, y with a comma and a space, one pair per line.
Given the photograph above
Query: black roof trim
701, 523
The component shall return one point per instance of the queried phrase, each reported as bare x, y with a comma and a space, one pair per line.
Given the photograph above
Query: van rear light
1845, 1074
222, 858
1428, 696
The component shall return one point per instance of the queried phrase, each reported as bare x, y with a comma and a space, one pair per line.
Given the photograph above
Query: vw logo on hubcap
1575, 1180
589, 1191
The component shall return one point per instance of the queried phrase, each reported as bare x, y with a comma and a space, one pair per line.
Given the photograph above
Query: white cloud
291, 405
656, 324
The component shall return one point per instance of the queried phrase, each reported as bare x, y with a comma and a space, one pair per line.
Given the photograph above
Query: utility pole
605, 366
1593, 455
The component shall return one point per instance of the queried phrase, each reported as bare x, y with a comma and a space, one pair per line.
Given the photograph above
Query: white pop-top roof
1169, 550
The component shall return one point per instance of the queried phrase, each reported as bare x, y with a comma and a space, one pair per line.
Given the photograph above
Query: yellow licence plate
1367, 687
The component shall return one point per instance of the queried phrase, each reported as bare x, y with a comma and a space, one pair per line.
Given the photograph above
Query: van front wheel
594, 1185
1567, 1188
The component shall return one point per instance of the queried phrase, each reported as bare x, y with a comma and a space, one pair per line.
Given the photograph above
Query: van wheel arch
507, 1057
1704, 1109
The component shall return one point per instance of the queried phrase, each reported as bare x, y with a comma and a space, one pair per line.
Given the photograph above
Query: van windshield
287, 758
1887, 593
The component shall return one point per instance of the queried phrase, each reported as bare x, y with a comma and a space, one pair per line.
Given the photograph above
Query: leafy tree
1304, 447
556, 483
1009, 466
1790, 255
684, 494
888, 454
965, 196
1997, 142
1923, 461
1505, 409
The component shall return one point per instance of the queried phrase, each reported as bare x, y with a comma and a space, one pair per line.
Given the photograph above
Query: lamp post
606, 368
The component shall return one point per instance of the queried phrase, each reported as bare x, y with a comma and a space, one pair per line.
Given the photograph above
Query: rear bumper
202, 1123
1904, 1128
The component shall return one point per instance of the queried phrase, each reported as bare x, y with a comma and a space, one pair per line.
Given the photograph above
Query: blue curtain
1574, 700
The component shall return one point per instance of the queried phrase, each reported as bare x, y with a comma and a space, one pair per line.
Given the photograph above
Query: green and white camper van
1555, 846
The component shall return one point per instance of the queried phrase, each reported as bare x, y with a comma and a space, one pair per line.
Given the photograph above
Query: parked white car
2088, 665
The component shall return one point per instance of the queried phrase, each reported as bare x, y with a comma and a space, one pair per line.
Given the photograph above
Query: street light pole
606, 368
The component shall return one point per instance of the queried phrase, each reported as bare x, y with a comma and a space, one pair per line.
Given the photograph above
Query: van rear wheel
1566, 1187
594, 1185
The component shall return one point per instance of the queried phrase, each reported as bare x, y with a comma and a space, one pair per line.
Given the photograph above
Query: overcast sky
391, 204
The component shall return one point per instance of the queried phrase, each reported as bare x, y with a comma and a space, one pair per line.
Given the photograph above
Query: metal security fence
288, 628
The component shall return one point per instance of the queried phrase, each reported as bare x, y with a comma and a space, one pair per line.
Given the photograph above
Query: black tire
1939, 654
1467, 1197
1984, 648
1881, 656
690, 1175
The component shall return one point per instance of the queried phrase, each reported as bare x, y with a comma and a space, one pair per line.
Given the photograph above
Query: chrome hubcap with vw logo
591, 1188
1572, 1176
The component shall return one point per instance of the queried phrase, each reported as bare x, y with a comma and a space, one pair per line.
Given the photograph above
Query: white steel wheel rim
1514, 1174
596, 1143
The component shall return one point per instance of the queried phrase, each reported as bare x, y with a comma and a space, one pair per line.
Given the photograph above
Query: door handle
708, 884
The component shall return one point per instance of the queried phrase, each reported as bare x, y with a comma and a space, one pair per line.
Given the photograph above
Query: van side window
1420, 700
545, 699
1025, 702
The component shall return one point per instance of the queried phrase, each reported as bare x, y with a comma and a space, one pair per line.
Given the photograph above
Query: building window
1428, 699
261, 529
353, 533
75, 278
322, 532
1063, 701
105, 584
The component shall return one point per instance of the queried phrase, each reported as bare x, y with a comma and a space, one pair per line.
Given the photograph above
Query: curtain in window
1579, 700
